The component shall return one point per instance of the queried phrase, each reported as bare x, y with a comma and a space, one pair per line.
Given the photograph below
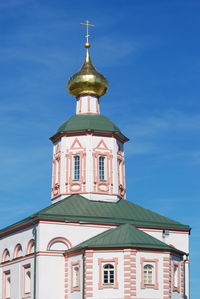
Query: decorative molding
63, 240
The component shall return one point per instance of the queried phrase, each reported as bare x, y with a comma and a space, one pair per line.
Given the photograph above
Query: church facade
91, 242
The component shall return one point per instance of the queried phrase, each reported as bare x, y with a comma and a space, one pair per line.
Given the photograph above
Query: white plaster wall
9, 242
149, 293
73, 259
50, 277
16, 270
178, 239
75, 233
108, 292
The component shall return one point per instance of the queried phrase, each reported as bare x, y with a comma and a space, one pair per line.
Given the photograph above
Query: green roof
125, 235
94, 122
78, 208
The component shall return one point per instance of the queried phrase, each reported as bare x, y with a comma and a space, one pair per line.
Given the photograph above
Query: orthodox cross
87, 24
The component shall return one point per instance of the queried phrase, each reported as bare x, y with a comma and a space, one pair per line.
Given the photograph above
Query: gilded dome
87, 80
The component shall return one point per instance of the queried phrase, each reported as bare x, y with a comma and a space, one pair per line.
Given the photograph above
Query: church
91, 242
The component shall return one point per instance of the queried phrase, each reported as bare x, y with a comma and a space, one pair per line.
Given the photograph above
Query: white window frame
109, 273
149, 274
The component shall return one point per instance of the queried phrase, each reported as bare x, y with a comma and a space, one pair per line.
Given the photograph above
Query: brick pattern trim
166, 278
66, 279
129, 274
88, 274
182, 279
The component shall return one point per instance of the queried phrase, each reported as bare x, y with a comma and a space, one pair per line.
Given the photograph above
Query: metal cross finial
87, 24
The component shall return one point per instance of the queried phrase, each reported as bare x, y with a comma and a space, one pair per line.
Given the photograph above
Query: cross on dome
87, 24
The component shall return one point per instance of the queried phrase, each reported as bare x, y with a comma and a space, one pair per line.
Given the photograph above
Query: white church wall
17, 275
75, 291
50, 277
156, 259
178, 239
75, 233
21, 237
116, 258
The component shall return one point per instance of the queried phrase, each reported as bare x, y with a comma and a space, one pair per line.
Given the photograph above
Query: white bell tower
88, 154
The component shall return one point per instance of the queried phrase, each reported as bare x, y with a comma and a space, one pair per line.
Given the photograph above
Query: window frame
154, 263
76, 172
6, 275
75, 287
102, 168
26, 268
176, 287
101, 263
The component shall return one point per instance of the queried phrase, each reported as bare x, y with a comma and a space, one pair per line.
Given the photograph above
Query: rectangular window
101, 168
27, 281
6, 285
76, 168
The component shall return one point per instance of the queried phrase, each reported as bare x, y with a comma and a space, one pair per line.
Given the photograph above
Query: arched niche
30, 247
5, 255
18, 251
59, 244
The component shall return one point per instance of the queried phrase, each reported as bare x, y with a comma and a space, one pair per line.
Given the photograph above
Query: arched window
76, 168
75, 277
101, 168
148, 274
108, 274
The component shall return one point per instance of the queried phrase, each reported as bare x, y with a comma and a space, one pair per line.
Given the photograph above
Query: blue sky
149, 51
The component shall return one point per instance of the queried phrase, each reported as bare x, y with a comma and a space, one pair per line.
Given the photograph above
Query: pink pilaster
88, 274
129, 273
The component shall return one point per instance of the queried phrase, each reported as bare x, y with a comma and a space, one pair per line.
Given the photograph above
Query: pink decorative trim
101, 145
103, 186
59, 240
24, 268
166, 277
76, 144
73, 265
5, 256
17, 250
30, 247
88, 274
56, 172
101, 262
88, 100
155, 263
129, 273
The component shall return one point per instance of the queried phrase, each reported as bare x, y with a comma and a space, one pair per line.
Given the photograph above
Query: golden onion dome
87, 80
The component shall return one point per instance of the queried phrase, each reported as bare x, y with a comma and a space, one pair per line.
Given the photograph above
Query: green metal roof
78, 208
94, 122
125, 235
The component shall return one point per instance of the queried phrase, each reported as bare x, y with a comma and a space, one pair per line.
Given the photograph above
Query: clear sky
150, 52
